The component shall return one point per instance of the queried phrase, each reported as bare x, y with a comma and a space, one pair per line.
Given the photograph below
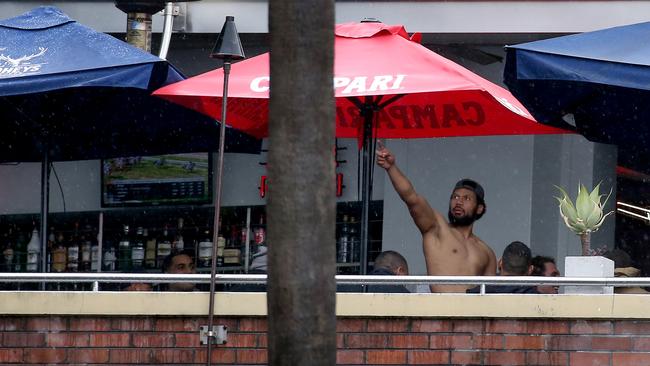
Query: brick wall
174, 340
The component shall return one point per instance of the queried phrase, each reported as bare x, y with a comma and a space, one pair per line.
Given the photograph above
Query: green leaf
597, 226
564, 194
595, 216
608, 195
584, 205
579, 227
595, 194
568, 210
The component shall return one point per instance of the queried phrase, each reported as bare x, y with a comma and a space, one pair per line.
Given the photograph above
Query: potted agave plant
586, 215
583, 217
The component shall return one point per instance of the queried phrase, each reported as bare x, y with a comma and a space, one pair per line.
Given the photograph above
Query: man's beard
462, 221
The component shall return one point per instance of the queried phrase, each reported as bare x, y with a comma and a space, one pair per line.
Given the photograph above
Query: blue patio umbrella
599, 81
68, 92
74, 93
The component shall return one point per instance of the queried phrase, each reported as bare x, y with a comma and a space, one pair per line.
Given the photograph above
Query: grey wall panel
20, 187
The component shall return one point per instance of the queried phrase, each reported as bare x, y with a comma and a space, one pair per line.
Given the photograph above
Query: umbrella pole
45, 203
217, 206
365, 189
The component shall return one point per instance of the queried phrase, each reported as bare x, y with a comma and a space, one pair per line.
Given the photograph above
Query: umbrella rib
357, 103
391, 100
376, 103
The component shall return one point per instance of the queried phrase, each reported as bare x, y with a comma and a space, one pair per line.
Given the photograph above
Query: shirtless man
450, 248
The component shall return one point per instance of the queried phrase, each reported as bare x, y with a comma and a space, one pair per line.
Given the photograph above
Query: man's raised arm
423, 215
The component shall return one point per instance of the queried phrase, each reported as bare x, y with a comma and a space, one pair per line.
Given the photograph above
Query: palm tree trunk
585, 239
301, 205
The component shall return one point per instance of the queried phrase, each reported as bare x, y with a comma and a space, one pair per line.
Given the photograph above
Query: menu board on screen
157, 180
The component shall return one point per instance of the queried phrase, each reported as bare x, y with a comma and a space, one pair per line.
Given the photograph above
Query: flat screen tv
157, 180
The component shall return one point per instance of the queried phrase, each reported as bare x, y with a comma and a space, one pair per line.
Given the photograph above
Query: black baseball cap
473, 186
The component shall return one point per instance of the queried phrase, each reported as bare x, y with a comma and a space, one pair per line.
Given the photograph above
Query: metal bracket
218, 335
179, 11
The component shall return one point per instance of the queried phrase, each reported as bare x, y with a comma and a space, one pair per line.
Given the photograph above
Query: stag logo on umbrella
18, 66
506, 103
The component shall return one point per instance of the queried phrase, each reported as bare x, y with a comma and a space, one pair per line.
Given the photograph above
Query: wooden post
301, 205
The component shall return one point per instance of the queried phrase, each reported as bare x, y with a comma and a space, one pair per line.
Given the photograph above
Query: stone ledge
617, 306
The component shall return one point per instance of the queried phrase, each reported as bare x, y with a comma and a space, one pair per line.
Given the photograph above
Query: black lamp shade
140, 6
143, 6
228, 46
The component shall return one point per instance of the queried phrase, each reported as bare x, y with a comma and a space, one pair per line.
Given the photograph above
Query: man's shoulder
483, 245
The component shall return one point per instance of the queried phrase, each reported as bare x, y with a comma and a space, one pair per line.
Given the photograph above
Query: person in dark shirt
545, 266
387, 263
515, 261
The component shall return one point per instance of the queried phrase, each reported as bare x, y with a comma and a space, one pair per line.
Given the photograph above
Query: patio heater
138, 26
228, 48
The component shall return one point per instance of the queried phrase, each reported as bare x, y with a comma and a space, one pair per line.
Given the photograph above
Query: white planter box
588, 266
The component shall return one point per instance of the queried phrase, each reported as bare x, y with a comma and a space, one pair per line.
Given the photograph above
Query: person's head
545, 266
621, 258
515, 260
393, 262
467, 203
180, 262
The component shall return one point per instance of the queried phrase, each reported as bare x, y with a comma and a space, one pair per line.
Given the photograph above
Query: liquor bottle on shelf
94, 252
232, 252
195, 238
20, 252
137, 250
59, 254
164, 248
109, 257
343, 245
150, 249
233, 241
51, 240
243, 235
33, 252
355, 250
86, 248
73, 250
7, 263
179, 243
124, 251
205, 251
221, 245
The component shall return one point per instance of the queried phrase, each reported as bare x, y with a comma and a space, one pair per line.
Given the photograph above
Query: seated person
138, 286
515, 261
623, 267
179, 262
387, 263
545, 266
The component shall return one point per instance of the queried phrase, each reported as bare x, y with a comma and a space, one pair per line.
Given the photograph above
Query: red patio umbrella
387, 85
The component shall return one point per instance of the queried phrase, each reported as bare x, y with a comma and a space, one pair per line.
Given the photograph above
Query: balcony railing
482, 281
